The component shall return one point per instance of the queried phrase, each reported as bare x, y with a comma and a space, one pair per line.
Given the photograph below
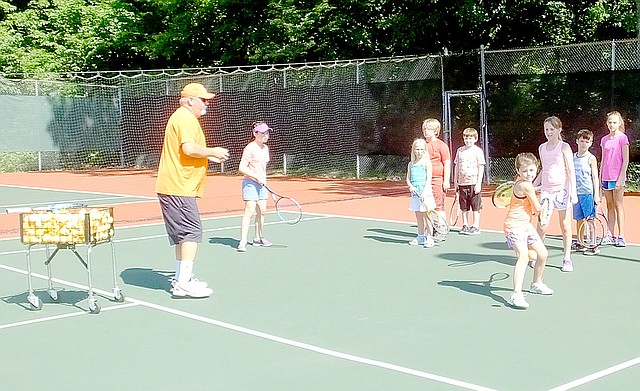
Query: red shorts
438, 192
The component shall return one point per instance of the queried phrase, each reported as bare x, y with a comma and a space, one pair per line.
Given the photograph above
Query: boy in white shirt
467, 180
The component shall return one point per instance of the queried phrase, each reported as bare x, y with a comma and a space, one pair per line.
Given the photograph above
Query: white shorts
557, 199
527, 235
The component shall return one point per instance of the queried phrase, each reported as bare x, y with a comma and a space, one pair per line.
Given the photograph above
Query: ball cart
68, 227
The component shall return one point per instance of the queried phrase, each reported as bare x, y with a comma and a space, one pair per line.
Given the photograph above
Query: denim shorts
253, 191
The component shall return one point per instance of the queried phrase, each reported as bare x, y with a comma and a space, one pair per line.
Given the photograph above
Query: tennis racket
502, 195
439, 224
545, 212
454, 213
593, 230
287, 209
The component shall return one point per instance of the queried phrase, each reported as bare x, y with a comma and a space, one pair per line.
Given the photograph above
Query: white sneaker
194, 289
193, 280
567, 265
608, 240
429, 242
517, 300
417, 241
540, 288
242, 247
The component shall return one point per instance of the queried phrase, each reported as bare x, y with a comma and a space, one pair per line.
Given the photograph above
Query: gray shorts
181, 218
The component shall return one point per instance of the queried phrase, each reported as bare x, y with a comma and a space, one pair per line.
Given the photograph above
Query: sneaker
575, 246
417, 241
608, 240
261, 242
592, 251
429, 242
439, 237
193, 289
464, 230
517, 300
473, 231
540, 288
620, 242
193, 280
242, 247
532, 263
567, 265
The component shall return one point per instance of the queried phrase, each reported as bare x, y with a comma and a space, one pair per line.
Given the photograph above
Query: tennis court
340, 302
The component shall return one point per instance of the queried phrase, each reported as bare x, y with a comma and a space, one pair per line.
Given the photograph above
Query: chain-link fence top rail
584, 57
325, 114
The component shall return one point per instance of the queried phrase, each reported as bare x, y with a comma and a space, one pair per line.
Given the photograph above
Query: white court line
248, 331
78, 191
314, 348
305, 346
63, 316
597, 375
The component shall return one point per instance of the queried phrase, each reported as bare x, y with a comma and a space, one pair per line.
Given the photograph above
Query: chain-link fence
352, 118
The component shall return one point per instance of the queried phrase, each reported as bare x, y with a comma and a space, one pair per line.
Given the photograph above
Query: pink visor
262, 128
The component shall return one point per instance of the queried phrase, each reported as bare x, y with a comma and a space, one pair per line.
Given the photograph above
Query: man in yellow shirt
181, 178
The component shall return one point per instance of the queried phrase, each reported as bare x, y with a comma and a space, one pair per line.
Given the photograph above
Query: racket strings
288, 210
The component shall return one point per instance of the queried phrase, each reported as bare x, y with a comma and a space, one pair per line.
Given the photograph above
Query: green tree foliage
41, 36
67, 35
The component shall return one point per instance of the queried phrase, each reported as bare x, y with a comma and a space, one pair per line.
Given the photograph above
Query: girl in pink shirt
613, 174
253, 165
558, 183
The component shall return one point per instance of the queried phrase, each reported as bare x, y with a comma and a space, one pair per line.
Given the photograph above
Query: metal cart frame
94, 307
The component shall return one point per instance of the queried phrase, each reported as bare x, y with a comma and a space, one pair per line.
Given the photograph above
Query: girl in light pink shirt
253, 165
613, 174
558, 183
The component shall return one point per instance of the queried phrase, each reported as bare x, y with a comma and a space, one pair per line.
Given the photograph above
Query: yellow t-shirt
178, 173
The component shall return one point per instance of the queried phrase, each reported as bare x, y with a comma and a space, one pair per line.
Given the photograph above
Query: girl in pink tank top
557, 182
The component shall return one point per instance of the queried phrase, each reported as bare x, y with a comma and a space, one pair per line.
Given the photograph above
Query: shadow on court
70, 298
147, 278
470, 259
482, 288
229, 242
402, 235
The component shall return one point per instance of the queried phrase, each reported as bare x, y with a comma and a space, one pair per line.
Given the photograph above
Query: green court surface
336, 303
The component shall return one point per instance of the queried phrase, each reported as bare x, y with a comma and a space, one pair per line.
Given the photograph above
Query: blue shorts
609, 185
585, 208
253, 191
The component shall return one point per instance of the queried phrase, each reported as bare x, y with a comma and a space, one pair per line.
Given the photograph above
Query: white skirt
417, 206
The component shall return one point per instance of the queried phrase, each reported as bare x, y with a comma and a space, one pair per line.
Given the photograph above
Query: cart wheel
118, 296
94, 307
34, 302
53, 294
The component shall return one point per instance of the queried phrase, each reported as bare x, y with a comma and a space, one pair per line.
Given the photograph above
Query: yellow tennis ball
533, 255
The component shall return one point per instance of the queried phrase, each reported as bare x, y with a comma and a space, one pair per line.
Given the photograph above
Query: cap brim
207, 96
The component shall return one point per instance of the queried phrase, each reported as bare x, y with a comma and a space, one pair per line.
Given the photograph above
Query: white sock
185, 270
177, 276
